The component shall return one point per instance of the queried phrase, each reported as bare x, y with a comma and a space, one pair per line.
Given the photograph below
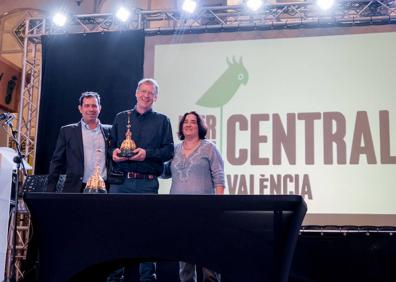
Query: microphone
4, 116
7, 117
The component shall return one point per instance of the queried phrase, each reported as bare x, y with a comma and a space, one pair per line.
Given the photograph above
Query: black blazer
69, 157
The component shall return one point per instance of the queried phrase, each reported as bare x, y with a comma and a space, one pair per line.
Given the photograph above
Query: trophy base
126, 154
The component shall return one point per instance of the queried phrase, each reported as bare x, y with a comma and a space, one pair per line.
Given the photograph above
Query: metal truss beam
207, 19
235, 17
30, 89
287, 15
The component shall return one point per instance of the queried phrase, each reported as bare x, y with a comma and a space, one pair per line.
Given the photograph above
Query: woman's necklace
188, 147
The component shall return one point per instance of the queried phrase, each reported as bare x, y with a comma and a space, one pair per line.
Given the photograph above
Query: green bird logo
224, 88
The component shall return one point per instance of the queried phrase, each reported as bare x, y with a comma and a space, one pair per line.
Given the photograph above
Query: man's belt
137, 175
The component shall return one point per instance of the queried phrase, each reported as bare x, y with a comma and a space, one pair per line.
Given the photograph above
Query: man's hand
116, 158
140, 155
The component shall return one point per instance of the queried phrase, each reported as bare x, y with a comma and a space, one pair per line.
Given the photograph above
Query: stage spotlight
59, 19
325, 4
254, 5
123, 14
189, 6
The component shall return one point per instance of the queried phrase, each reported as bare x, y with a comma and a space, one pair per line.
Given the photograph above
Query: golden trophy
128, 145
95, 183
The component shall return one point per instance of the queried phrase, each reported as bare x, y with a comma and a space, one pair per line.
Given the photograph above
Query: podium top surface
242, 202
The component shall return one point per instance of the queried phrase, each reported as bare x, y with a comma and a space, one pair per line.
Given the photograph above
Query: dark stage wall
110, 63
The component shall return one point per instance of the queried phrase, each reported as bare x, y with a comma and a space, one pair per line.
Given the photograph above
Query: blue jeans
136, 186
139, 186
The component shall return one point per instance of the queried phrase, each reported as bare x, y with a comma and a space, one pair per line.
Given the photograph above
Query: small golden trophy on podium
128, 145
95, 183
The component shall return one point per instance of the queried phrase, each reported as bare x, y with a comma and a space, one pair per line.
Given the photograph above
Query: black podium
83, 237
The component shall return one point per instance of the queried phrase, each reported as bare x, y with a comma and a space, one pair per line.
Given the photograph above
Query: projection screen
309, 112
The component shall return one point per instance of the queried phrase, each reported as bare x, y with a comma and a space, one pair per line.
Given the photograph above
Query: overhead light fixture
59, 19
254, 5
123, 14
325, 4
189, 6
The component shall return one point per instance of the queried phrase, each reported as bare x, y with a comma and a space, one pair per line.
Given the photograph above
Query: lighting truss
280, 15
30, 89
206, 19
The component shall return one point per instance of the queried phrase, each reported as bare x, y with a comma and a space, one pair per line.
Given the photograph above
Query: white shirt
94, 150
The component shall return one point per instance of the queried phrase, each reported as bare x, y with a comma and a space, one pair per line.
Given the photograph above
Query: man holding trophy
141, 142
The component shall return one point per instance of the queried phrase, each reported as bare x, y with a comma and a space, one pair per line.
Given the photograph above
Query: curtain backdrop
110, 63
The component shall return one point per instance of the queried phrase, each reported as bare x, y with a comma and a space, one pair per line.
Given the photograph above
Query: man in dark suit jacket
80, 147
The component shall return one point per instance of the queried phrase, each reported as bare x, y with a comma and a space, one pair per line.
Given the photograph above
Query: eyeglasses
144, 92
